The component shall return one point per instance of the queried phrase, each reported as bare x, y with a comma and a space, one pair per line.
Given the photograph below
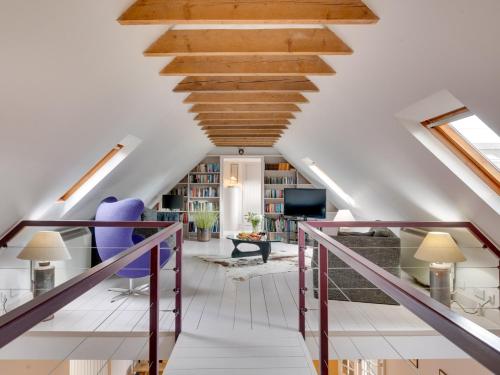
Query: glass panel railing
106, 324
369, 332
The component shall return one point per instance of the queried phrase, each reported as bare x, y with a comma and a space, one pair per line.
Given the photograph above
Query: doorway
243, 188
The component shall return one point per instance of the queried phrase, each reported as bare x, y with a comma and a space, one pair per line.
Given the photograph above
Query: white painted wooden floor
210, 299
250, 352
263, 304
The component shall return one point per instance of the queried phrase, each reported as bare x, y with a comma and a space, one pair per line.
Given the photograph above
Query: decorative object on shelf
204, 222
253, 219
442, 251
44, 247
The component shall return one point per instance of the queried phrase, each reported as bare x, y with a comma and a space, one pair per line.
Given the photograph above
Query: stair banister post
323, 309
154, 309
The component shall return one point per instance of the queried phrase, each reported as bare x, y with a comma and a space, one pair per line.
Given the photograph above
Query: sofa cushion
383, 251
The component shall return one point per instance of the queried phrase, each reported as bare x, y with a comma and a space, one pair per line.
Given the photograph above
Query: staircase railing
18, 321
473, 339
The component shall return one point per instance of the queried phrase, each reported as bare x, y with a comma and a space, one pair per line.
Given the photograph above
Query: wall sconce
233, 175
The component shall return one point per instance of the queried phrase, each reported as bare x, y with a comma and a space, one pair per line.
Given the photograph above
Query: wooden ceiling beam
245, 97
239, 83
245, 116
247, 66
243, 122
250, 127
207, 108
228, 42
248, 134
152, 12
244, 130
231, 144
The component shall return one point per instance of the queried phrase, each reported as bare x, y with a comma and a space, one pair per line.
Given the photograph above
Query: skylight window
474, 142
329, 182
481, 137
92, 174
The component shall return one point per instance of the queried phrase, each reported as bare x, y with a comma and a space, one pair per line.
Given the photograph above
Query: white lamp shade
439, 247
45, 246
344, 215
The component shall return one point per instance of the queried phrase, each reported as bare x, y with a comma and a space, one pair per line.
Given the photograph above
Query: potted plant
254, 220
204, 221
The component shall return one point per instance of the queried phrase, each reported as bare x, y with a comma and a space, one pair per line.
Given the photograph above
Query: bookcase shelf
192, 182
279, 175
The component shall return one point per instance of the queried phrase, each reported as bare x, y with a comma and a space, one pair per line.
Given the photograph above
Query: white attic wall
74, 82
350, 128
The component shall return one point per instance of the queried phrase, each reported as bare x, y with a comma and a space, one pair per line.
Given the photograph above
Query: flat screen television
305, 203
173, 202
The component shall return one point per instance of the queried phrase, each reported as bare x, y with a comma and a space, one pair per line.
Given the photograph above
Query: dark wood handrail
473, 339
12, 232
480, 236
16, 322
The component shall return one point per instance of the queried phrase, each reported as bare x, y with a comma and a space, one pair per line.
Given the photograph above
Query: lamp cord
476, 310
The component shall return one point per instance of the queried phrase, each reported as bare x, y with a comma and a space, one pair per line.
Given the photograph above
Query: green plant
204, 219
253, 219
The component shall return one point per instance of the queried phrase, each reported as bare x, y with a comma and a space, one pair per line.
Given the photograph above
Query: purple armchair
112, 241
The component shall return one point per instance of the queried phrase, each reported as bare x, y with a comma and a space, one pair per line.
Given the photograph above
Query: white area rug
241, 269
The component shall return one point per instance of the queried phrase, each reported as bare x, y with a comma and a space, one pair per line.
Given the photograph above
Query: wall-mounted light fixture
233, 175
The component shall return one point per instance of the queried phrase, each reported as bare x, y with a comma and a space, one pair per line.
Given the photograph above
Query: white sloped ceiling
73, 83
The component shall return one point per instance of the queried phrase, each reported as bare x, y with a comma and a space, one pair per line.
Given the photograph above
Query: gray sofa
380, 246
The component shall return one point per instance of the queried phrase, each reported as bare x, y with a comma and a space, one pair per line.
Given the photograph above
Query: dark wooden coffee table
264, 245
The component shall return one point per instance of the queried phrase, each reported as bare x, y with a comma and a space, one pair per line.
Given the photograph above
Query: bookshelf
201, 189
278, 175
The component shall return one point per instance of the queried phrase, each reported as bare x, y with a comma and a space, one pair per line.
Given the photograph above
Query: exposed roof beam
247, 66
243, 122
248, 42
245, 116
200, 108
243, 134
145, 12
233, 144
251, 127
204, 83
245, 97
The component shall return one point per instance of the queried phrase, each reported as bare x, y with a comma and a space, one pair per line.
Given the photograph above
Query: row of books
203, 206
274, 207
289, 180
201, 192
179, 191
278, 167
192, 227
204, 178
273, 193
208, 167
279, 224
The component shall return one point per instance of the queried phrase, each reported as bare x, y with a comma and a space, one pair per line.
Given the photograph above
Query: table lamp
44, 247
441, 251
